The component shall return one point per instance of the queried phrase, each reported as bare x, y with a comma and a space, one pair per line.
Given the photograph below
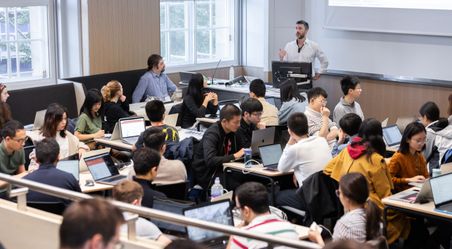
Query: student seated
169, 171
349, 128
347, 104
251, 199
408, 164
362, 219
269, 112
251, 120
304, 154
47, 151
91, 223
132, 193
5, 111
155, 110
218, 145
145, 165
55, 124
197, 102
292, 101
318, 115
115, 104
89, 123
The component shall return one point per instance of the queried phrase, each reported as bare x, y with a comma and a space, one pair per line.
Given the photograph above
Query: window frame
51, 37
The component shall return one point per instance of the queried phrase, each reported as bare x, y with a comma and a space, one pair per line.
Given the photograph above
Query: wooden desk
259, 172
98, 187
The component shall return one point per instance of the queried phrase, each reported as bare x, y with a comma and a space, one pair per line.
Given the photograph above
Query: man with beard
154, 83
304, 50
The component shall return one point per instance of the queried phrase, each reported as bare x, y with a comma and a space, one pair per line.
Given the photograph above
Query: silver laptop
416, 195
403, 122
70, 166
392, 136
39, 119
262, 137
270, 155
103, 169
384, 123
131, 128
219, 212
442, 194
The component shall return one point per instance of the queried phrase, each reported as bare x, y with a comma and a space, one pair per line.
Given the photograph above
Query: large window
197, 31
25, 52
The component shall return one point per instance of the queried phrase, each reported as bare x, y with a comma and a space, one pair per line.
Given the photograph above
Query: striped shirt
267, 224
351, 226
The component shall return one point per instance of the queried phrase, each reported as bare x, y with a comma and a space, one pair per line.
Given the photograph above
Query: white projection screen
420, 17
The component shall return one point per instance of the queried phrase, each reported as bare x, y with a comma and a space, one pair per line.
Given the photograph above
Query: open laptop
384, 123
70, 166
103, 169
442, 195
218, 212
39, 119
402, 122
421, 195
131, 128
270, 155
262, 137
392, 136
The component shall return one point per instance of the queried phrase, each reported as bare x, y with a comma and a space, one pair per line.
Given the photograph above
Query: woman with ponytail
365, 155
115, 106
362, 220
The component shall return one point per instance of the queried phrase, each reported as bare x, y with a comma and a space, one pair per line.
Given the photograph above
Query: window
197, 31
25, 52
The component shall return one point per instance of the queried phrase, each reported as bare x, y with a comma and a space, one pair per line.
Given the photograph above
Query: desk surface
426, 208
255, 169
86, 175
245, 89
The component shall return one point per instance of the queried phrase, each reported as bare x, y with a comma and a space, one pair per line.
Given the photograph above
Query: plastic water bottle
231, 73
217, 189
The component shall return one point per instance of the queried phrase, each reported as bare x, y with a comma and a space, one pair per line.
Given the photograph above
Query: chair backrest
51, 207
378, 243
176, 191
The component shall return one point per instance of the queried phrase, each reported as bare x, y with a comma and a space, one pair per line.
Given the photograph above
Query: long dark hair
54, 115
93, 96
410, 130
371, 133
354, 186
5, 114
289, 90
195, 86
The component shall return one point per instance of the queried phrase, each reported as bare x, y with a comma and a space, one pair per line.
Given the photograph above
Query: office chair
51, 207
176, 191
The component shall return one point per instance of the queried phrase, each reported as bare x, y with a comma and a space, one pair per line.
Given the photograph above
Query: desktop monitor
301, 72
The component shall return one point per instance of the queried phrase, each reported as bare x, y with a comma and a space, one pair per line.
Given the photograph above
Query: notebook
219, 212
392, 136
442, 194
270, 155
103, 169
131, 128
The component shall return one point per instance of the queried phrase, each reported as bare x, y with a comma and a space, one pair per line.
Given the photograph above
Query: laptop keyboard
114, 178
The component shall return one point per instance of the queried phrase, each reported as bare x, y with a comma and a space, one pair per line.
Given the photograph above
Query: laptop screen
270, 154
97, 167
217, 212
70, 166
131, 127
440, 188
392, 135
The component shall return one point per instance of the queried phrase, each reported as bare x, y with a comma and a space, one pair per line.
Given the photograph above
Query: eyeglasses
418, 141
20, 140
257, 114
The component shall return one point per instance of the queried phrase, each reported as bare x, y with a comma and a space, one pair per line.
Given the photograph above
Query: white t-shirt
143, 227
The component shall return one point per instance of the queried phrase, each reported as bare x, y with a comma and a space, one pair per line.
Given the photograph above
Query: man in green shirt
12, 156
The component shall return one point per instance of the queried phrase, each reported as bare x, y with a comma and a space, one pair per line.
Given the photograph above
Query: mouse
89, 183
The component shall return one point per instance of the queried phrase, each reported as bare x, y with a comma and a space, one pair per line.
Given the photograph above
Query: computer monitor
301, 72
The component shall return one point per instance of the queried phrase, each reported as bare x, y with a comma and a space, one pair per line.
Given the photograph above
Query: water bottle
217, 189
231, 73
247, 157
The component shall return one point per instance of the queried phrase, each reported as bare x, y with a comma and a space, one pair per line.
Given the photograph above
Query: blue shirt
152, 84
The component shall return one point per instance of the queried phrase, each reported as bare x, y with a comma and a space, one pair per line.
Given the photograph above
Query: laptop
218, 212
262, 137
442, 195
103, 169
422, 194
392, 136
91, 153
402, 122
384, 123
39, 119
70, 166
131, 128
270, 155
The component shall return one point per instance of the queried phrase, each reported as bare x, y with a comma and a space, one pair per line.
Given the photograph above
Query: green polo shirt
10, 163
87, 125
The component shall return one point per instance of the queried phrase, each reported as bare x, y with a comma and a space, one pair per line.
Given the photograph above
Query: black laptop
442, 194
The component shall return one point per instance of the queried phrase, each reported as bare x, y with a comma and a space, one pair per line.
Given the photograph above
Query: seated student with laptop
251, 199
269, 111
155, 110
318, 115
145, 165
132, 193
115, 106
349, 128
169, 171
89, 123
103, 169
47, 151
304, 154
408, 165
251, 120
